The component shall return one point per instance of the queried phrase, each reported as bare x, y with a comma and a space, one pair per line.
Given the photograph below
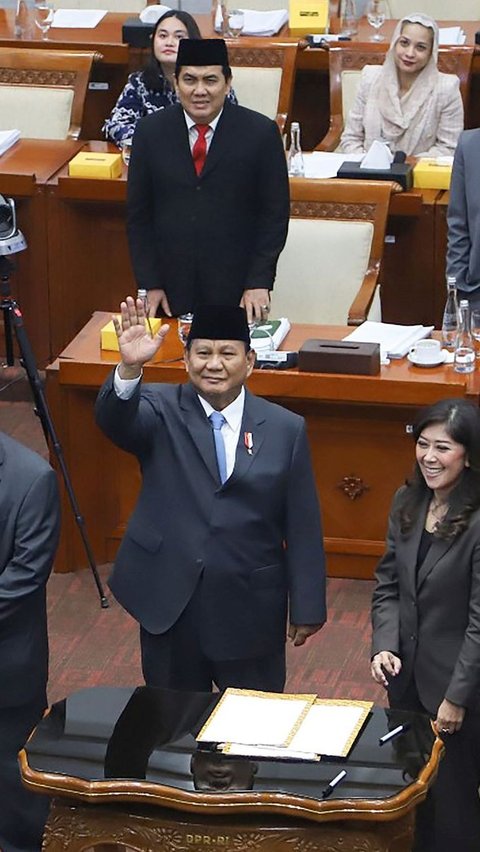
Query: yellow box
95, 165
308, 16
108, 335
432, 174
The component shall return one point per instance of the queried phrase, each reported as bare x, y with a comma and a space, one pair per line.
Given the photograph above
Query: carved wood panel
256, 57
332, 210
32, 77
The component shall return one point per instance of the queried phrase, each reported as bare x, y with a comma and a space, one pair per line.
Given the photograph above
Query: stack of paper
451, 35
269, 335
265, 724
257, 23
395, 340
7, 139
83, 19
325, 164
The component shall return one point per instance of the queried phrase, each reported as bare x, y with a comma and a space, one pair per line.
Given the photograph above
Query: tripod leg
51, 436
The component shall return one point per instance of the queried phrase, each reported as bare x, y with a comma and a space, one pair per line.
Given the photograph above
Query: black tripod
13, 323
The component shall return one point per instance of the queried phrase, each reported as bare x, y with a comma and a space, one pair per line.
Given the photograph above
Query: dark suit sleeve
140, 213
35, 542
129, 423
304, 542
459, 244
465, 681
386, 599
273, 212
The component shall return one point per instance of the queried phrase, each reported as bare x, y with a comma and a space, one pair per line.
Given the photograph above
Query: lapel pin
248, 440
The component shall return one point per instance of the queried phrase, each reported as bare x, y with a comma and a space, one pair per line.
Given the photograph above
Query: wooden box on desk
339, 356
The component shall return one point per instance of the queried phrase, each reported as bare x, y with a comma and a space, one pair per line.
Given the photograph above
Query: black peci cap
204, 51
220, 322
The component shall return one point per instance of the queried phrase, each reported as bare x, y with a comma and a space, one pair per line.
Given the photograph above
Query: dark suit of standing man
212, 237
210, 568
463, 217
29, 524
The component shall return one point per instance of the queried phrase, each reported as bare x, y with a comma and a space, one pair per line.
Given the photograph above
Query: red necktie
199, 150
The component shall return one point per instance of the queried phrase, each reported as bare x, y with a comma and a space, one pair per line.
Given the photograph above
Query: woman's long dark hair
461, 420
152, 73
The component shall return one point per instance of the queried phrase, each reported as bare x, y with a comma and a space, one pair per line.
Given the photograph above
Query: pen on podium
333, 783
400, 729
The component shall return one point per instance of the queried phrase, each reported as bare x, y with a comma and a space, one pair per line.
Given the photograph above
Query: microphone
399, 157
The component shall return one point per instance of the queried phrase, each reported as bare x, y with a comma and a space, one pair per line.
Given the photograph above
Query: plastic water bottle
24, 19
295, 163
464, 357
450, 316
349, 21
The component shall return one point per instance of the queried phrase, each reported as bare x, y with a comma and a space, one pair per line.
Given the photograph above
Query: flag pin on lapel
248, 440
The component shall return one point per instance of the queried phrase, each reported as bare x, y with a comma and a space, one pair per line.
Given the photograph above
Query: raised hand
135, 341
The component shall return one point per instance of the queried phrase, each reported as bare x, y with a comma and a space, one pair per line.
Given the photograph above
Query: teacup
426, 352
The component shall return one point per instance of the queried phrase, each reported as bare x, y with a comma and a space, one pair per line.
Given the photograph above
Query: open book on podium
275, 725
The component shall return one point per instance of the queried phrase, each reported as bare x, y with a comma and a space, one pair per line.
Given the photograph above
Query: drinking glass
236, 22
184, 326
126, 147
475, 329
376, 14
44, 17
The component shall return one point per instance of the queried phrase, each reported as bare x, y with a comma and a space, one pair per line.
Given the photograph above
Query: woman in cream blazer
407, 102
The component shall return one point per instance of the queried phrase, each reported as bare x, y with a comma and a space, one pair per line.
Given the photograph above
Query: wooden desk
24, 171
357, 428
119, 764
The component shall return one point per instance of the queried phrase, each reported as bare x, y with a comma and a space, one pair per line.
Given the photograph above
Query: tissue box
108, 335
308, 16
401, 173
339, 356
431, 174
136, 33
95, 164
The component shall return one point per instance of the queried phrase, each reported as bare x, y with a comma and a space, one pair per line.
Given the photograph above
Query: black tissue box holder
401, 173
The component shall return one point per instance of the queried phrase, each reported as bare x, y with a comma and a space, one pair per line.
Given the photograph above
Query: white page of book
254, 718
330, 728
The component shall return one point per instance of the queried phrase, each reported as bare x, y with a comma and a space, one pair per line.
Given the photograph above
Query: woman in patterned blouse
153, 88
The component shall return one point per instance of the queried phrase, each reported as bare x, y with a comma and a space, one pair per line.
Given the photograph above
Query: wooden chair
345, 67
328, 270
42, 92
263, 75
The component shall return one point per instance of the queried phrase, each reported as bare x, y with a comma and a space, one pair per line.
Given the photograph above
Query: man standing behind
463, 217
29, 524
226, 534
208, 198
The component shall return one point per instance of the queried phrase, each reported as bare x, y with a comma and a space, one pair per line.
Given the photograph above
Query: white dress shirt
193, 132
233, 414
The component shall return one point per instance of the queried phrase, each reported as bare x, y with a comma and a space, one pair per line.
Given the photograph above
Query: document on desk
250, 716
395, 340
325, 164
7, 139
247, 723
81, 19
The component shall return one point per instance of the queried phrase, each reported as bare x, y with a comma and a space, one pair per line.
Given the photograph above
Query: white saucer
441, 360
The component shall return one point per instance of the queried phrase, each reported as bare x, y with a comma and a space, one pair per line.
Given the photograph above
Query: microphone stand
13, 323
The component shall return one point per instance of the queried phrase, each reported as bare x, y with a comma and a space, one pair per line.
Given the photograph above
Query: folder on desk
299, 727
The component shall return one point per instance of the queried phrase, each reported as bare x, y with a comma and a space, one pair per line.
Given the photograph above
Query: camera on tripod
11, 238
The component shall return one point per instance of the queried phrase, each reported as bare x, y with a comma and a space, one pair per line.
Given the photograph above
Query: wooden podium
124, 768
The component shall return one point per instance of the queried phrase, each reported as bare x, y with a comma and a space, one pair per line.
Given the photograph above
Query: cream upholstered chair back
441, 10
328, 270
42, 92
345, 68
263, 75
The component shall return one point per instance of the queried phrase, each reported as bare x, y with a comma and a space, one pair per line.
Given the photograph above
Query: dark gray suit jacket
29, 528
463, 253
256, 540
204, 240
432, 623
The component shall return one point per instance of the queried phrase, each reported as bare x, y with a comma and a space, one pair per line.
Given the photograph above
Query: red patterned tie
199, 151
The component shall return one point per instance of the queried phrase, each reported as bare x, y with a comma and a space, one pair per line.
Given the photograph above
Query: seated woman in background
426, 615
407, 102
153, 88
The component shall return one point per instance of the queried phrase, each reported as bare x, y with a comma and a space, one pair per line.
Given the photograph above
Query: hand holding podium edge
135, 342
